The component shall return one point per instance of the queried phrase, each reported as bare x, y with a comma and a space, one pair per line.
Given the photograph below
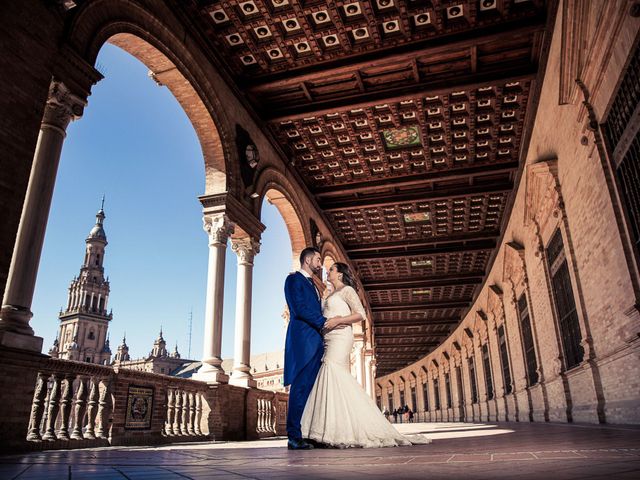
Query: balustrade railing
76, 402
70, 402
51, 403
270, 413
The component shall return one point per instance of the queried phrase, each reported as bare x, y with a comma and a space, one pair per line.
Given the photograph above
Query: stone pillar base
212, 377
20, 341
242, 381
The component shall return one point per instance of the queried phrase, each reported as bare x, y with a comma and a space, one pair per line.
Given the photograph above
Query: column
246, 249
62, 107
218, 228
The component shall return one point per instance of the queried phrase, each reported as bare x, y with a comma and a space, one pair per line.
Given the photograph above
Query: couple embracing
327, 406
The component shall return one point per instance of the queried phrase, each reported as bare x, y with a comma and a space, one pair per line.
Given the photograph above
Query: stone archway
147, 35
274, 187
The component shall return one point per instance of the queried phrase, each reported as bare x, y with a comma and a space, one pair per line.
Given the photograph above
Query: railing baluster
168, 428
198, 417
176, 425
80, 406
37, 408
65, 407
101, 427
91, 409
184, 413
192, 414
52, 410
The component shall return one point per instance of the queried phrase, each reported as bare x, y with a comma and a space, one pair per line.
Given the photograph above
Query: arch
273, 186
149, 38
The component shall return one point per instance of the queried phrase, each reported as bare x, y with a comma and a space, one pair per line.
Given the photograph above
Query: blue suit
303, 348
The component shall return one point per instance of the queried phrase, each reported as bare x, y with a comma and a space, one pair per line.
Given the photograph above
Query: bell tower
83, 324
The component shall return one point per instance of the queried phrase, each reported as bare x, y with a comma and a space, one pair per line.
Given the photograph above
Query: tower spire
84, 323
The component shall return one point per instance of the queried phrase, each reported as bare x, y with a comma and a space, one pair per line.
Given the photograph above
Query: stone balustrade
52, 403
269, 412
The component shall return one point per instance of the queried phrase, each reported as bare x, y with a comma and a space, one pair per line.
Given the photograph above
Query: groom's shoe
298, 444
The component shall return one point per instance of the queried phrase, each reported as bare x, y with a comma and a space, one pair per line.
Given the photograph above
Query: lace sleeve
352, 299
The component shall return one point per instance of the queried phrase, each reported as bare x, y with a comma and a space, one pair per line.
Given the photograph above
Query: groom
303, 346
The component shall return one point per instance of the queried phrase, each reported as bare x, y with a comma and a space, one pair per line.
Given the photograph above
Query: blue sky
136, 145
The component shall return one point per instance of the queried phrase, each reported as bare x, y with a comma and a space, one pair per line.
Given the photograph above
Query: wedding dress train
339, 412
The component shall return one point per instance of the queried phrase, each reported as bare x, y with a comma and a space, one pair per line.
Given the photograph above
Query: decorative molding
219, 228
543, 196
62, 107
246, 249
572, 51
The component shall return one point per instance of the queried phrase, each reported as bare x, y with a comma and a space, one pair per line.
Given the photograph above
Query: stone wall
565, 186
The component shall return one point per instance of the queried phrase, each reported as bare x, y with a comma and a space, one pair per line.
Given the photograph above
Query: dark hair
347, 277
306, 253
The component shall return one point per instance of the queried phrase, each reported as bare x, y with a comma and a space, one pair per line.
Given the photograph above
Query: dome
97, 232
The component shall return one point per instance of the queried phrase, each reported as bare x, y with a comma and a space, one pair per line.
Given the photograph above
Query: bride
338, 411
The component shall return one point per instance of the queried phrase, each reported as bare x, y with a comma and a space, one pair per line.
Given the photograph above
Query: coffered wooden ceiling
406, 120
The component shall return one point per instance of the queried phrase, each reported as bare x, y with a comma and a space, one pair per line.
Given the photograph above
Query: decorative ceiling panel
262, 37
417, 135
422, 266
406, 120
420, 220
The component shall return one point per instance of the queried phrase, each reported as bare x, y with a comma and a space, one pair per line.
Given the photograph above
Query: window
414, 404
486, 362
622, 132
447, 383
504, 360
459, 385
425, 395
98, 259
527, 341
436, 392
472, 381
379, 401
87, 359
401, 398
390, 401
565, 304
91, 335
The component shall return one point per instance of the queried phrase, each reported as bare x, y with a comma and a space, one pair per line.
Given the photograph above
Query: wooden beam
441, 281
407, 244
412, 334
462, 41
413, 323
371, 252
410, 307
439, 193
413, 180
397, 95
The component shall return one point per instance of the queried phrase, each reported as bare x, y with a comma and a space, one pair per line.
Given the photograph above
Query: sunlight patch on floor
435, 431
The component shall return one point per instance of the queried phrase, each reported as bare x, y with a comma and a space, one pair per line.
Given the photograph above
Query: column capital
246, 249
218, 227
62, 107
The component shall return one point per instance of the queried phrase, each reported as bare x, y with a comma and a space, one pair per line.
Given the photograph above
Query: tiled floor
470, 451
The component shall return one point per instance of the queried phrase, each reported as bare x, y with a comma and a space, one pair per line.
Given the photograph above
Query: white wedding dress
339, 412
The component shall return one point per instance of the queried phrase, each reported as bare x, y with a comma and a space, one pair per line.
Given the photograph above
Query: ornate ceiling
406, 120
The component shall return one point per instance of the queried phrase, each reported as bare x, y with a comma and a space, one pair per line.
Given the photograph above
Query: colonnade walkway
458, 450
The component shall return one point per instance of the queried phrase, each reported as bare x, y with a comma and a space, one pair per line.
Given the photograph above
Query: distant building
159, 359
267, 370
84, 323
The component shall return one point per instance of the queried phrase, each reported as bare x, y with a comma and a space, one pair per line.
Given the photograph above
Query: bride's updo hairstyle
347, 277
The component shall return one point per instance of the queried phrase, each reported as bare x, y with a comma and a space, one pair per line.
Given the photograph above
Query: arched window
564, 302
91, 335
